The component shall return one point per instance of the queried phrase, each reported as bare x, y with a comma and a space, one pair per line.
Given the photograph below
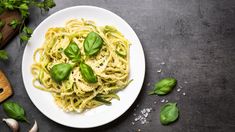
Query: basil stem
87, 73
164, 86
60, 72
169, 113
14, 110
73, 52
92, 44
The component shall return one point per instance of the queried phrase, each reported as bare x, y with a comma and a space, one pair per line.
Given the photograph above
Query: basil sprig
164, 86
92, 44
87, 73
73, 52
169, 113
60, 72
14, 110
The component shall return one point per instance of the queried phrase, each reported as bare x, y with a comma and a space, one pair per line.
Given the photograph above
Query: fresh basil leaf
14, 110
45, 5
92, 44
8, 5
49, 3
24, 13
164, 86
169, 113
3, 55
60, 72
87, 73
27, 30
24, 37
24, 7
24, 10
73, 52
26, 34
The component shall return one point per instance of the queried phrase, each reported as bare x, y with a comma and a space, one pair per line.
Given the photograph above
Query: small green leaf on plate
92, 44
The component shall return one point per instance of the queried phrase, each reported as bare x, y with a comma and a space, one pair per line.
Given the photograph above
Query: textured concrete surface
195, 39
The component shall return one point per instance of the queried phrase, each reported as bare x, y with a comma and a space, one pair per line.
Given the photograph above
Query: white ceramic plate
102, 114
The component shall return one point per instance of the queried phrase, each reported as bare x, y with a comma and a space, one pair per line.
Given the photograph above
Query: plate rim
94, 7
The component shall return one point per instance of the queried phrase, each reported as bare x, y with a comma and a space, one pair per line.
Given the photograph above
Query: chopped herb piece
14, 23
3, 55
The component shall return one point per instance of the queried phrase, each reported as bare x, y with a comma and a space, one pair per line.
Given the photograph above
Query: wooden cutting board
5, 87
7, 31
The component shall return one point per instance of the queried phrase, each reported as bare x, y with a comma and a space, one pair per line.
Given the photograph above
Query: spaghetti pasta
110, 65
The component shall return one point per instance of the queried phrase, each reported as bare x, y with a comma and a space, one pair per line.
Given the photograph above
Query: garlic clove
12, 123
34, 128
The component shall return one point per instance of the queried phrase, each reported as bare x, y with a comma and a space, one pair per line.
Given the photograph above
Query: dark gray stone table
195, 39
